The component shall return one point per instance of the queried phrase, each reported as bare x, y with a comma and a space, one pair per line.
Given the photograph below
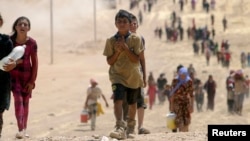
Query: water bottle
16, 53
171, 120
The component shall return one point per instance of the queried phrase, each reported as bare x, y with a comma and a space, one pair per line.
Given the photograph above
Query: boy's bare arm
112, 59
118, 49
132, 56
104, 98
143, 65
85, 104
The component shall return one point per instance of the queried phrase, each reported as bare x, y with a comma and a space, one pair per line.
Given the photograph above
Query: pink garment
20, 76
21, 110
151, 95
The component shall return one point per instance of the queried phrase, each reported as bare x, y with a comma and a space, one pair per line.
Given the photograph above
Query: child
122, 53
93, 93
199, 95
141, 106
167, 91
23, 77
230, 98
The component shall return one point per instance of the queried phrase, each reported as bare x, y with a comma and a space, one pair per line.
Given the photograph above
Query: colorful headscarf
184, 71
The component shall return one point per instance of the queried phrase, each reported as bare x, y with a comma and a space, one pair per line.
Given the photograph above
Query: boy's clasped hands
120, 45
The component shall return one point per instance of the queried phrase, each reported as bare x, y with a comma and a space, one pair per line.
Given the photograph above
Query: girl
25, 74
152, 90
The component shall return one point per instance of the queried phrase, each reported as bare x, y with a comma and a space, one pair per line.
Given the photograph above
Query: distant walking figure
248, 59
210, 87
224, 22
181, 4
152, 90
93, 94
161, 83
207, 54
212, 19
243, 59
230, 98
199, 94
213, 2
239, 91
193, 3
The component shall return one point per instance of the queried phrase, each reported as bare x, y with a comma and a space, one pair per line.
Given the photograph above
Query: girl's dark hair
123, 14
14, 32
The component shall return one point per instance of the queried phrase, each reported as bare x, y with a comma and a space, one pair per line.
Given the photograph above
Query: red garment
20, 76
227, 56
152, 90
22, 73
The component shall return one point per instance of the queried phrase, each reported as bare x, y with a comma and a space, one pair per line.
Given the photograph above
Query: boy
123, 55
93, 93
141, 106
